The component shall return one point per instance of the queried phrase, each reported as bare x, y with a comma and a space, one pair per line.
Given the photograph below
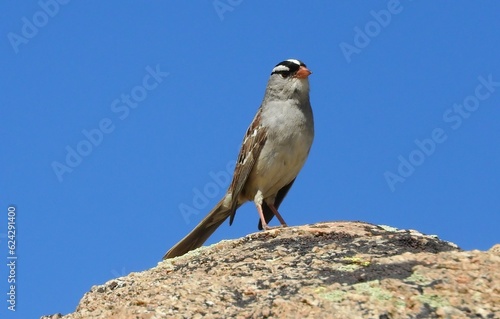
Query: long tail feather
201, 232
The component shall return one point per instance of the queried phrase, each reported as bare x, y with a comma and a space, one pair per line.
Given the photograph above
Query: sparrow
275, 147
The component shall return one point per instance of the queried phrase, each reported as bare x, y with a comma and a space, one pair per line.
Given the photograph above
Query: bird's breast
289, 139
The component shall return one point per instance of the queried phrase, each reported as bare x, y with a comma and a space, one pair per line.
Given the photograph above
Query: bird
274, 150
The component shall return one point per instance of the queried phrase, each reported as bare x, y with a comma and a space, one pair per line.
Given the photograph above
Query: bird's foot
267, 227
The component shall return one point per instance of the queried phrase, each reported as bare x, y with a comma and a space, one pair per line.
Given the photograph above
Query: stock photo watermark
363, 36
122, 273
219, 182
11, 257
31, 26
454, 117
121, 107
223, 6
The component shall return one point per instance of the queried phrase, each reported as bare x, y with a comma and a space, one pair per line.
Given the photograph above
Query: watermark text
454, 117
11, 258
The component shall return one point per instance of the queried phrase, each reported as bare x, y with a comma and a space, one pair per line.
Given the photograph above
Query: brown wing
251, 147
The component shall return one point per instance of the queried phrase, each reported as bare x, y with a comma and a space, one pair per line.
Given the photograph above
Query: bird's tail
201, 232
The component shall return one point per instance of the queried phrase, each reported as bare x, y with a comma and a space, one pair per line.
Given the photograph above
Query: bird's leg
277, 214
265, 226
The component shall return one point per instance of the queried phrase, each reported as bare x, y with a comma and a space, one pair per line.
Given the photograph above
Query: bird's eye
284, 75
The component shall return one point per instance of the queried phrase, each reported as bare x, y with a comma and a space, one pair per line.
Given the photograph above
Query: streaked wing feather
255, 139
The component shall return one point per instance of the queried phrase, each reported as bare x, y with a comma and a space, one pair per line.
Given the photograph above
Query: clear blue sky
157, 95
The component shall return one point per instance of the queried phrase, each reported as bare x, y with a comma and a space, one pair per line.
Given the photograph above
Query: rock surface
326, 270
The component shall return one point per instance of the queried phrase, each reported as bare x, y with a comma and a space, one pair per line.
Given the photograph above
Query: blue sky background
118, 210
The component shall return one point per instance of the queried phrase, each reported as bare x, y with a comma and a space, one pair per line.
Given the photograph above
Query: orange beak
303, 73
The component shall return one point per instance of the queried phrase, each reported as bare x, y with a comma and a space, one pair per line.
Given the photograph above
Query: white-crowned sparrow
273, 152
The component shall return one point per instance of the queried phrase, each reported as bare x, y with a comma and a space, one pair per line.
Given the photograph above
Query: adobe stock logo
94, 137
223, 6
454, 116
363, 36
30, 27
201, 197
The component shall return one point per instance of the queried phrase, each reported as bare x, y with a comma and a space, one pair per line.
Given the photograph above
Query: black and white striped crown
287, 67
